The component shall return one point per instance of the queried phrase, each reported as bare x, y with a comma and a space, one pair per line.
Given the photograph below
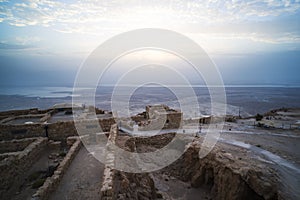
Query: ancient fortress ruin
31, 138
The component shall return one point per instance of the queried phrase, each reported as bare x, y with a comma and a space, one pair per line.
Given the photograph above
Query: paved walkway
82, 180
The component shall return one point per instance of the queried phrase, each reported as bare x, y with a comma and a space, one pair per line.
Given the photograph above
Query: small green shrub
258, 117
62, 154
34, 176
230, 119
38, 183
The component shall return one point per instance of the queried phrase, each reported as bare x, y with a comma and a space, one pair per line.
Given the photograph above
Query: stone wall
108, 185
29, 116
56, 131
134, 186
153, 124
12, 113
15, 145
13, 167
20, 112
121, 185
52, 182
159, 114
201, 120
61, 130
157, 141
138, 118
106, 124
174, 120
46, 117
9, 131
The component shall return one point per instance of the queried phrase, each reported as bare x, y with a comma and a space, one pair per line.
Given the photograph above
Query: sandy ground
172, 188
82, 180
284, 143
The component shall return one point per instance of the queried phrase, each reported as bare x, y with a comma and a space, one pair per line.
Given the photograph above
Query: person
200, 127
199, 131
46, 129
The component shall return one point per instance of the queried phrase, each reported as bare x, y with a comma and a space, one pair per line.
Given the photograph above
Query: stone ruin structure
225, 173
173, 118
37, 147
155, 117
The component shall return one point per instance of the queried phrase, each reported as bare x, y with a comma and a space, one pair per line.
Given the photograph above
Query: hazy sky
252, 42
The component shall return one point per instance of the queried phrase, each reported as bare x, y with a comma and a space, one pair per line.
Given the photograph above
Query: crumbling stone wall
174, 120
134, 186
154, 124
108, 185
52, 182
157, 141
56, 131
22, 112
106, 124
158, 114
121, 185
138, 118
61, 130
13, 167
9, 131
15, 145
28, 117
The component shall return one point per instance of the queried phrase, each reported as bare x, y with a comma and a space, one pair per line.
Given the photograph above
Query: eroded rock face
134, 186
227, 176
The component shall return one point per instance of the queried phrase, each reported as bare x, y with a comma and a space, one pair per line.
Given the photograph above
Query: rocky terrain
227, 172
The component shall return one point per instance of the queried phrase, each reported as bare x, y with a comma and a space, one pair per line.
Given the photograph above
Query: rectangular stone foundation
13, 165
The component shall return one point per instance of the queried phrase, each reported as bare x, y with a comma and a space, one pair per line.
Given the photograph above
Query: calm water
249, 100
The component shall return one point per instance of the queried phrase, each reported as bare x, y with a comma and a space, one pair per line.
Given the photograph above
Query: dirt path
82, 180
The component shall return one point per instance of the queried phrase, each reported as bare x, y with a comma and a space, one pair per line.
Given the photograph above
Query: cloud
6, 46
267, 21
257, 37
26, 40
52, 13
258, 8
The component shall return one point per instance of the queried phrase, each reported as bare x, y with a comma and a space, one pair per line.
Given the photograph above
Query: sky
44, 42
